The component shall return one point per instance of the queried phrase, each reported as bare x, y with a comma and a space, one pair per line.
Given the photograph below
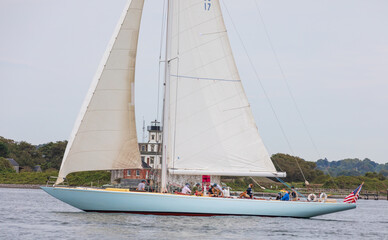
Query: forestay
211, 129
104, 136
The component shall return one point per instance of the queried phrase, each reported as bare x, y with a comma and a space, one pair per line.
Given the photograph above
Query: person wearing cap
186, 189
197, 190
218, 189
141, 186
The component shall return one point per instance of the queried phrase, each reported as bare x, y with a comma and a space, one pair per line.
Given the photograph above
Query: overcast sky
334, 55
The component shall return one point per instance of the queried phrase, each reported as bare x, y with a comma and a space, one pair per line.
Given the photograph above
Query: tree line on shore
374, 181
48, 156
347, 173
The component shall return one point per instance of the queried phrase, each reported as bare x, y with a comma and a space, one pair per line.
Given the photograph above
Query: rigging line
211, 79
285, 79
160, 57
257, 183
274, 162
277, 165
262, 87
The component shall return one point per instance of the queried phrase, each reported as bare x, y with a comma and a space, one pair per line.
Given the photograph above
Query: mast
166, 101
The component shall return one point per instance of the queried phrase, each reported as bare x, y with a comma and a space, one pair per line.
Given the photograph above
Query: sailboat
208, 126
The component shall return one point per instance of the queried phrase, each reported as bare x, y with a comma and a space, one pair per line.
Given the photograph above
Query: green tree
3, 150
350, 167
86, 178
289, 164
379, 176
52, 154
47, 155
5, 165
384, 173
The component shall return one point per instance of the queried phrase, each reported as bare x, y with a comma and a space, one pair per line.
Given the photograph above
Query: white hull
96, 200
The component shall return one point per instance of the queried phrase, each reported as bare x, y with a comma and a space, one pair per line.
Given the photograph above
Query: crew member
250, 190
197, 190
141, 186
279, 196
218, 189
286, 197
186, 189
294, 194
248, 193
212, 191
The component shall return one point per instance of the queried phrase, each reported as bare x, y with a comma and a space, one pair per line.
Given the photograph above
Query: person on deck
141, 186
212, 191
279, 196
250, 190
197, 190
294, 195
286, 197
186, 189
218, 189
248, 193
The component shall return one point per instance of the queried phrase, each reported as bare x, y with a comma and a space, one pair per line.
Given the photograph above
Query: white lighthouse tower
150, 151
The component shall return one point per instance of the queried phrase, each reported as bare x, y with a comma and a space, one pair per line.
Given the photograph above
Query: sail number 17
207, 4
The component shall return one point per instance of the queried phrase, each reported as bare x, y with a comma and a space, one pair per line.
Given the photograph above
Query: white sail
104, 136
210, 125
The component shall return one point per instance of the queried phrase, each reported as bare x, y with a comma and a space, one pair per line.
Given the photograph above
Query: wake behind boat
208, 126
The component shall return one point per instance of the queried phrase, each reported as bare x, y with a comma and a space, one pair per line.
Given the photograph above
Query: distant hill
351, 167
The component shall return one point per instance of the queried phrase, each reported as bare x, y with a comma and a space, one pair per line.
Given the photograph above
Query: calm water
33, 214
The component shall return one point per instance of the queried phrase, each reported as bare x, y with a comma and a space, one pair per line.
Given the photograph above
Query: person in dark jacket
279, 196
294, 194
248, 193
212, 191
250, 190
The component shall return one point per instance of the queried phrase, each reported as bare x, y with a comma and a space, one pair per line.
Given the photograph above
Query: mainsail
209, 123
104, 136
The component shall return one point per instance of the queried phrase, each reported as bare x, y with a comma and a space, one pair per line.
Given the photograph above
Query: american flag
353, 196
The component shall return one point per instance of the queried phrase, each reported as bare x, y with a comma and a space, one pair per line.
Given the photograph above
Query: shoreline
23, 186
